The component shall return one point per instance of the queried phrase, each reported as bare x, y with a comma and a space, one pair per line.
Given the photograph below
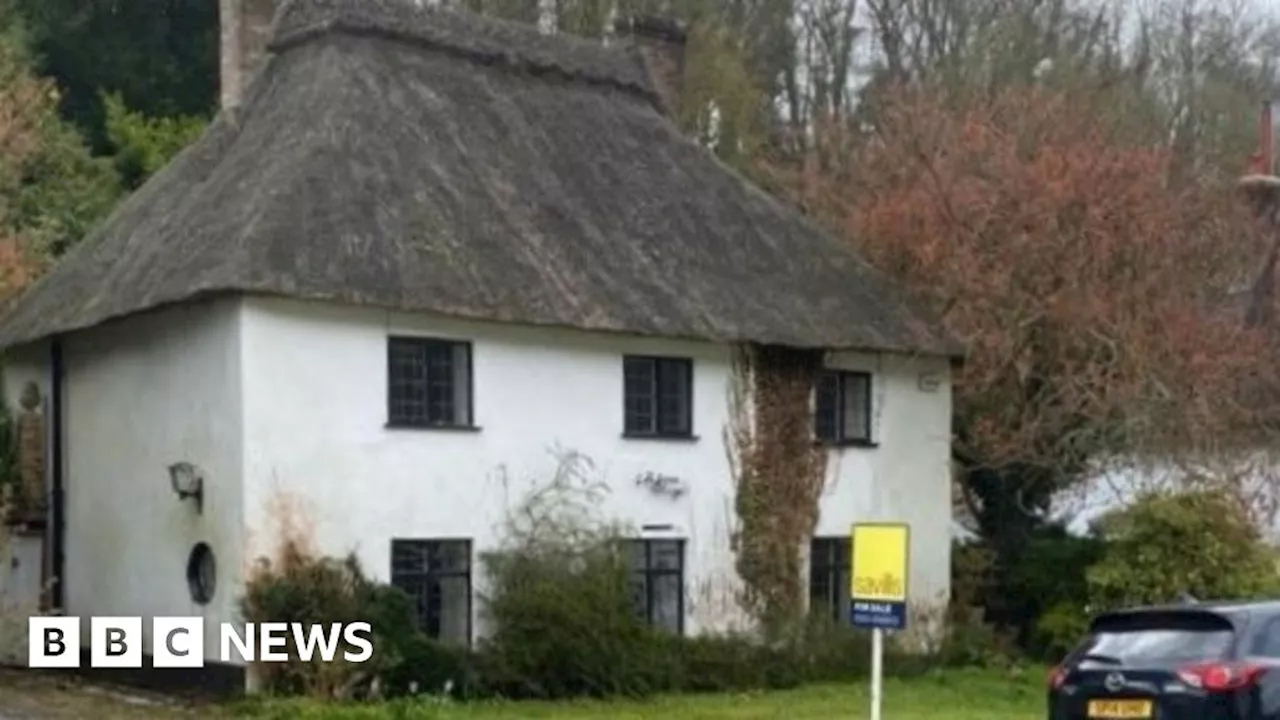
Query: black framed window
657, 396
657, 583
842, 407
430, 383
436, 574
829, 578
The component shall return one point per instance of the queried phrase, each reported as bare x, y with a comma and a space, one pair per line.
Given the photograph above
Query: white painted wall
283, 404
318, 455
907, 477
141, 394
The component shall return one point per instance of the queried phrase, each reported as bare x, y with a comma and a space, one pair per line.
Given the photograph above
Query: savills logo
178, 642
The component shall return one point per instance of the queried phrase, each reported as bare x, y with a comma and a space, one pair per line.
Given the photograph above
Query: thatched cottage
415, 253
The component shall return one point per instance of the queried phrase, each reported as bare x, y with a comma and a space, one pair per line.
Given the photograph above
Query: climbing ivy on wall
779, 473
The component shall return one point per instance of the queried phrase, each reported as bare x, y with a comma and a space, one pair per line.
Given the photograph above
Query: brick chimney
661, 44
245, 31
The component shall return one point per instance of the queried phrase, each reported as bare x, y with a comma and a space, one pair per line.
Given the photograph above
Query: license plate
1118, 709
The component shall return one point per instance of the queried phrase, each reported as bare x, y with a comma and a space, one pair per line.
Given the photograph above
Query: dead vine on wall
779, 472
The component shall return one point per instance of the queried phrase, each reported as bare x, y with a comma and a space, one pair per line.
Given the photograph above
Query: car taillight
1057, 676
1218, 677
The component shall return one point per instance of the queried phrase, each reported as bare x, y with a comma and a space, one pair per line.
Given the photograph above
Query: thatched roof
426, 160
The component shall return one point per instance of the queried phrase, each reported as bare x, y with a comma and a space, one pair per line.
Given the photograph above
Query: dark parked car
1198, 661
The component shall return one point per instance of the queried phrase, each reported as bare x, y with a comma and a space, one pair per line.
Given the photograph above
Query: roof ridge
485, 40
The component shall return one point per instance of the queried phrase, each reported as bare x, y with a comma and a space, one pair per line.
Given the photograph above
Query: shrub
1048, 572
562, 625
733, 663
410, 662
559, 610
1060, 629
830, 652
300, 588
1198, 542
971, 642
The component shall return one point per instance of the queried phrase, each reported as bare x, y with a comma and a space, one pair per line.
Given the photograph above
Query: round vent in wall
202, 573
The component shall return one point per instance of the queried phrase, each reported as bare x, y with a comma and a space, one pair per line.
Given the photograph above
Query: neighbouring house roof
423, 159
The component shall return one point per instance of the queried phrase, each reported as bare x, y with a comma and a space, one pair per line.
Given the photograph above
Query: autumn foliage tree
51, 189
1093, 294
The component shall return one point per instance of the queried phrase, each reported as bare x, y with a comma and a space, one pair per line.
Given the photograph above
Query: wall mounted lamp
187, 483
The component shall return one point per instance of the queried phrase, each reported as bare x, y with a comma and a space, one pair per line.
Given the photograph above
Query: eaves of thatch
421, 159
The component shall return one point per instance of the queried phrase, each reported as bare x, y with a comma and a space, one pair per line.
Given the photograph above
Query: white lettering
306, 642
273, 636
230, 637
353, 638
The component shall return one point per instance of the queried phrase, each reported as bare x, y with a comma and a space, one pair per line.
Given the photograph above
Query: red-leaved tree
1099, 303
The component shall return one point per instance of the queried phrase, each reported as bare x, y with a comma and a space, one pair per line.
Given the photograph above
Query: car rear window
1159, 638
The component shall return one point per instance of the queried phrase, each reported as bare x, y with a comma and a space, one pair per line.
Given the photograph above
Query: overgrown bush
563, 625
1199, 542
409, 662
1060, 629
970, 641
297, 587
559, 610
1047, 574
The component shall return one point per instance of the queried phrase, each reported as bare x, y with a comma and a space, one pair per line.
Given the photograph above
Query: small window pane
640, 383
639, 555
666, 603
856, 401
454, 621
408, 382
409, 558
665, 555
440, 407
826, 421
673, 396
449, 557
462, 384
640, 596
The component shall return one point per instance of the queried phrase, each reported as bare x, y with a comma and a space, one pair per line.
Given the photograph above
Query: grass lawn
954, 695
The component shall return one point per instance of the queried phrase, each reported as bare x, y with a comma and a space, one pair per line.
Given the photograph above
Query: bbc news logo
178, 642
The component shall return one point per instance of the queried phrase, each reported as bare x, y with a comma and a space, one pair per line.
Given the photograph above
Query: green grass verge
950, 695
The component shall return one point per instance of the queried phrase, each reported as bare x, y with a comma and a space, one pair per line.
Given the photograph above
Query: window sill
841, 444
660, 438
433, 428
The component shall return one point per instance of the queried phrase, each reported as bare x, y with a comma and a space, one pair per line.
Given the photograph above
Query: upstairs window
843, 408
436, 575
429, 383
658, 397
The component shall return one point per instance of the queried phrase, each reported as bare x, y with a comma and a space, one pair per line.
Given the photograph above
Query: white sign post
877, 671
878, 591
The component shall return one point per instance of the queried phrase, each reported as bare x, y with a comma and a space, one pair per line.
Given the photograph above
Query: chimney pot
660, 42
245, 31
